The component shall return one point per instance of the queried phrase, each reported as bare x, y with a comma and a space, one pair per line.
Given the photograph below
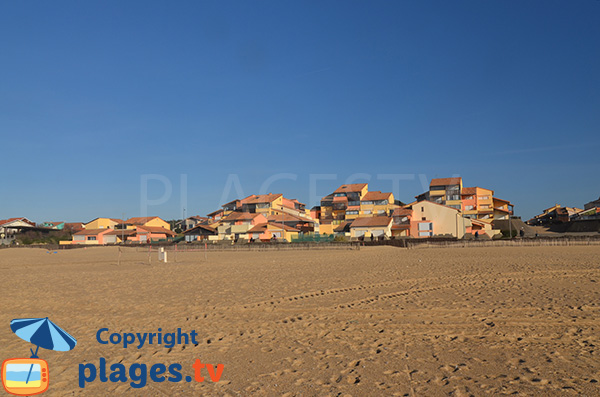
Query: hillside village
350, 212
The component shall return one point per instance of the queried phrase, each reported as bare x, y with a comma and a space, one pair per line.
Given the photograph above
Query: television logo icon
25, 376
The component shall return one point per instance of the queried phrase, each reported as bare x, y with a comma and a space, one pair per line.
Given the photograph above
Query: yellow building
431, 219
273, 231
350, 202
478, 203
371, 226
103, 223
446, 191
475, 202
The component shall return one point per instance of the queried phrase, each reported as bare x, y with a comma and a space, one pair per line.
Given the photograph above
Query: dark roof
215, 212
197, 228
353, 187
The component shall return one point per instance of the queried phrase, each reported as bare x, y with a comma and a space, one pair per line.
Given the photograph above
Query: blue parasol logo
42, 333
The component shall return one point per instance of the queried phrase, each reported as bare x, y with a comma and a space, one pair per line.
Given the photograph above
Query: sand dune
379, 321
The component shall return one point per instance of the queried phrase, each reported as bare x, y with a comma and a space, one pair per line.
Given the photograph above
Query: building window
468, 207
368, 212
426, 226
423, 218
91, 238
422, 209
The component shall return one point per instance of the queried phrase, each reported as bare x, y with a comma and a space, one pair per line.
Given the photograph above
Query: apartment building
350, 202
474, 202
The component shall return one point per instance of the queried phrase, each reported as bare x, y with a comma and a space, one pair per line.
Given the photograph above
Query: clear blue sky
95, 95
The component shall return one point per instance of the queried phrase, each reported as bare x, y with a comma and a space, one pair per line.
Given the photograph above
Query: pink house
90, 236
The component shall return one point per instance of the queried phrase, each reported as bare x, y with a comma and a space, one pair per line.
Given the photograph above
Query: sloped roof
261, 198
116, 220
201, 227
240, 216
263, 226
353, 187
376, 196
469, 190
156, 230
140, 220
342, 227
10, 220
499, 199
402, 212
74, 225
371, 221
215, 212
445, 181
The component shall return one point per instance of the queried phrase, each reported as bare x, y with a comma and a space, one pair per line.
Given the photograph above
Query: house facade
371, 226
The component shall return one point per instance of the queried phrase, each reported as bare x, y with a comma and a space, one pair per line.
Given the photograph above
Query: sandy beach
370, 322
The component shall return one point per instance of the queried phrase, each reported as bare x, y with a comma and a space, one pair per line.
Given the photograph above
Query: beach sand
370, 322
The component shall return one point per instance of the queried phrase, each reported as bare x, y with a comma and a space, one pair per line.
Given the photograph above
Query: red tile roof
2, 222
140, 220
261, 198
75, 226
402, 212
263, 227
354, 187
469, 191
445, 181
376, 196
